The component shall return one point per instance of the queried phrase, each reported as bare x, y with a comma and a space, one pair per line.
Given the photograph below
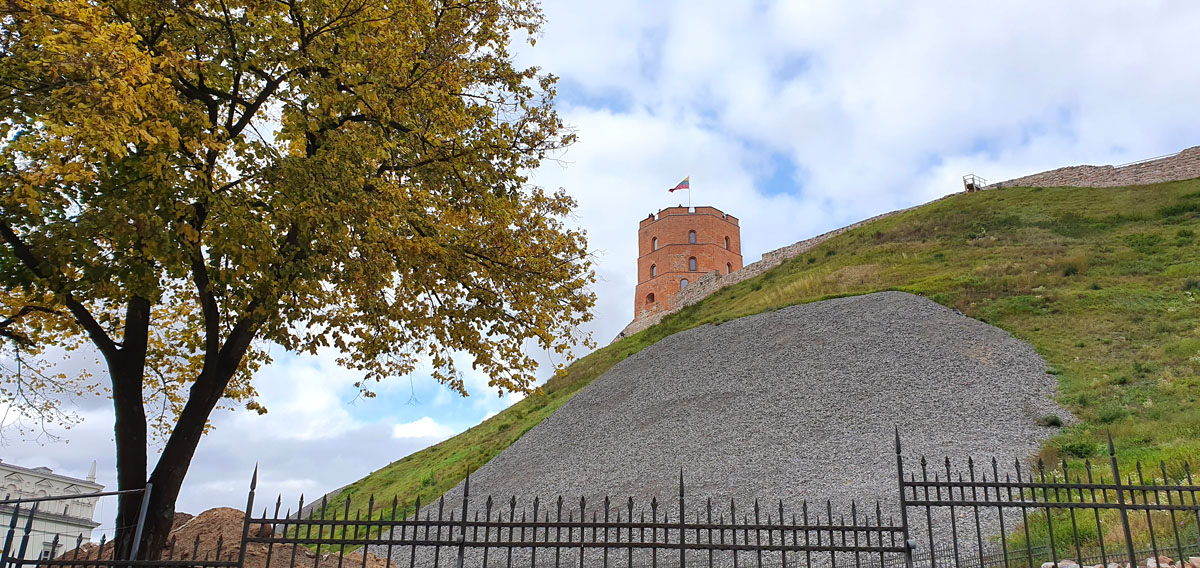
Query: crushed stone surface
792, 405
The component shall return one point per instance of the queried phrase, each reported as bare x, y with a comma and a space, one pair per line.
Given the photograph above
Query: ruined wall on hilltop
1181, 166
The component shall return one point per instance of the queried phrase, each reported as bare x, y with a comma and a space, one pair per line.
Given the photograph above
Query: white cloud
425, 427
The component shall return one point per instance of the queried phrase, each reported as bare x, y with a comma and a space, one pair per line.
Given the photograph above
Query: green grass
1102, 282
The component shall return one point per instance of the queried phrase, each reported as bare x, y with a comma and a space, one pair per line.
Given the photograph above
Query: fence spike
254, 478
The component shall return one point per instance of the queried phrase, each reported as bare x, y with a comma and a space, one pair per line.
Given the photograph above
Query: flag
685, 184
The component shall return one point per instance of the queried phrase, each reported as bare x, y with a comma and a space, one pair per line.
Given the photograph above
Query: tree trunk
130, 430
127, 368
169, 472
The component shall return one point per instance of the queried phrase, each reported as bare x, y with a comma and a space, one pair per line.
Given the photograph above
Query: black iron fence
978, 516
1077, 514
25, 542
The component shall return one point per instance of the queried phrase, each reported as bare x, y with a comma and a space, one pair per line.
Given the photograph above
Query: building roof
46, 472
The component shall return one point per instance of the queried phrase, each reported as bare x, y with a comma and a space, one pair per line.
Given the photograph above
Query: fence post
462, 537
12, 529
246, 520
1112, 457
682, 524
141, 522
908, 544
25, 537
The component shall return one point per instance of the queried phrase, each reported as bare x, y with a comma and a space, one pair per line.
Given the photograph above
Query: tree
187, 182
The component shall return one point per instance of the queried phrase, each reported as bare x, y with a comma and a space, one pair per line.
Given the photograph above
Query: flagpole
689, 195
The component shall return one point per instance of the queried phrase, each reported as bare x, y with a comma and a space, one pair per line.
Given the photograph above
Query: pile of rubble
217, 533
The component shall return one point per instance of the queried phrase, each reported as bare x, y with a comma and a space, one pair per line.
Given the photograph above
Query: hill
796, 403
1101, 282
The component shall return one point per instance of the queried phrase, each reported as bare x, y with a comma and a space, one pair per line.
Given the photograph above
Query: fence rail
979, 516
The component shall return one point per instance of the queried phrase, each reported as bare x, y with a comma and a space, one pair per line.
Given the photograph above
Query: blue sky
796, 117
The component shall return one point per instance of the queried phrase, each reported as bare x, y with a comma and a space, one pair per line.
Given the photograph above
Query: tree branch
23, 253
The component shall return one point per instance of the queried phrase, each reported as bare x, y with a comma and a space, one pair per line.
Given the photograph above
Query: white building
67, 518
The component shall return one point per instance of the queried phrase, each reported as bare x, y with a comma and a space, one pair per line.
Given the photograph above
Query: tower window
726, 243
692, 264
728, 268
649, 299
683, 284
654, 243
691, 237
653, 270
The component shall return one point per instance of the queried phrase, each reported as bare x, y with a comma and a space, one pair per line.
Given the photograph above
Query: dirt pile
216, 534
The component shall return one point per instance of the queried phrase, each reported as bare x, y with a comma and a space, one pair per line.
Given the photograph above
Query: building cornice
660, 217
51, 475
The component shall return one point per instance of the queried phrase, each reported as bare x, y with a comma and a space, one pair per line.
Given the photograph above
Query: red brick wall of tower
661, 269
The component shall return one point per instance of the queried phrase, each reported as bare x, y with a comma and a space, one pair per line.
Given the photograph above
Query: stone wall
1181, 166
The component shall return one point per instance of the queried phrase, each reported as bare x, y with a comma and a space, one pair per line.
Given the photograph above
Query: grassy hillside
1102, 282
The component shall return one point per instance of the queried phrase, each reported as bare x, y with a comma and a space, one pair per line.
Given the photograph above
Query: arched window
653, 270
691, 237
683, 284
692, 264
649, 299
728, 268
726, 243
654, 243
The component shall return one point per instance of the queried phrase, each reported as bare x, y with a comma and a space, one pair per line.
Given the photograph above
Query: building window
649, 299
683, 284
726, 243
691, 237
654, 243
653, 270
728, 268
692, 264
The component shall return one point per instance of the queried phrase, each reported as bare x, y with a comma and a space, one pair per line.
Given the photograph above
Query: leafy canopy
186, 183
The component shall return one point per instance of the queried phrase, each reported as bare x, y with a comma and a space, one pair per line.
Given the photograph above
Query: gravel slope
794, 404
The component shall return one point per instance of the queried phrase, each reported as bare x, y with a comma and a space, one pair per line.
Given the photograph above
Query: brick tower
677, 247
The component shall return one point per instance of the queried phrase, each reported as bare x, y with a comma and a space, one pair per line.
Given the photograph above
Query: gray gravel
794, 404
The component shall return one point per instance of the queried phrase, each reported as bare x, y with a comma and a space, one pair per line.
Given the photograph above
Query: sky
795, 117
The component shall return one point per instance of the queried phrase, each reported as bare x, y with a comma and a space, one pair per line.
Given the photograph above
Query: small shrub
1094, 286
756, 287
1191, 284
1143, 369
1050, 420
1079, 449
1145, 243
812, 259
1178, 209
939, 256
1070, 270
830, 252
1110, 414
1185, 235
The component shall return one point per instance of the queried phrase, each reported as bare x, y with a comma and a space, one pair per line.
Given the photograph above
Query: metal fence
1080, 513
985, 518
21, 536
975, 516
